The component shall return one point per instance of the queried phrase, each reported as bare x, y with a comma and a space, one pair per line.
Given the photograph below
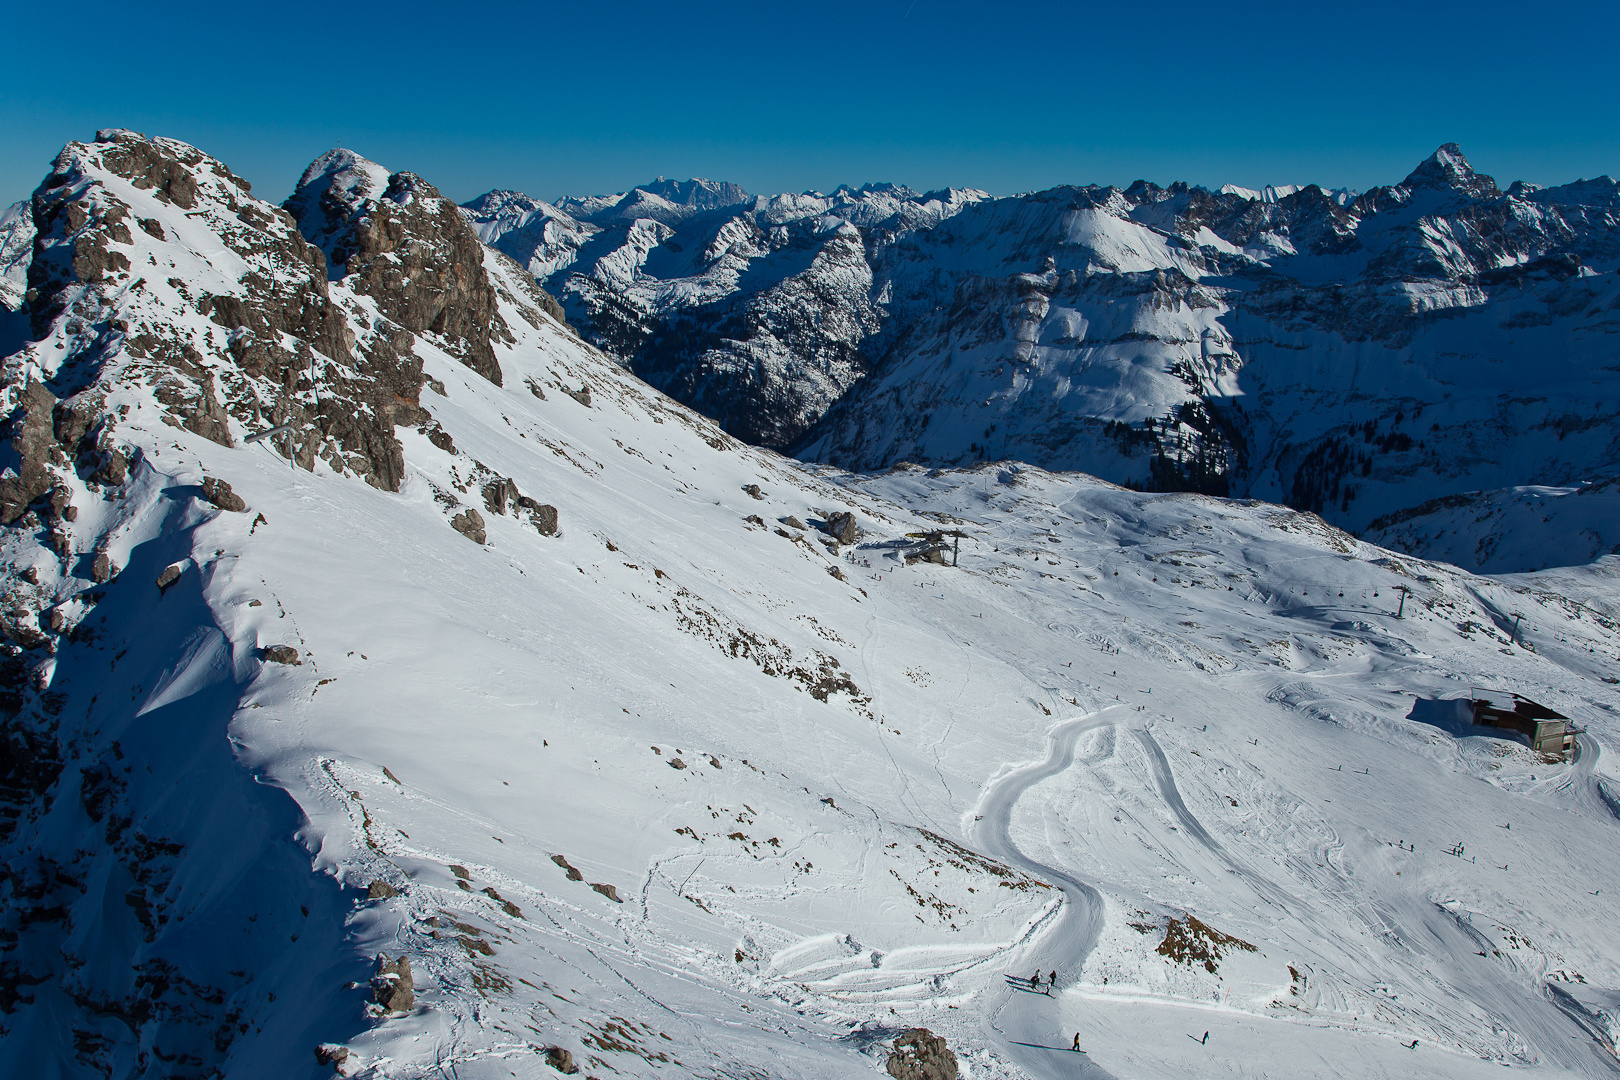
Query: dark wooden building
1548, 731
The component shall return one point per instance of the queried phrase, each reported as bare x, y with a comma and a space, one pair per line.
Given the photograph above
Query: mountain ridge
1401, 295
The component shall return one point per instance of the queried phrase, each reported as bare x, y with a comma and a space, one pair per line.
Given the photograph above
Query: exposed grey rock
33, 439
561, 1060
169, 576
281, 654
220, 494
331, 1054
380, 890
841, 527
392, 986
792, 522
499, 494
114, 469
470, 523
572, 874
582, 395
542, 515
919, 1054
393, 237
609, 891
753, 491
102, 568
439, 437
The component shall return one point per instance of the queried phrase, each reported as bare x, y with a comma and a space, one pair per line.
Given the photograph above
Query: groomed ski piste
686, 791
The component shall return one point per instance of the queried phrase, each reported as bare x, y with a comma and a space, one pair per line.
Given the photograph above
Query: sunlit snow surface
517, 691
896, 784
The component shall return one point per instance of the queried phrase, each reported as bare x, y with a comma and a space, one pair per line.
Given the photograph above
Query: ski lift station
1548, 731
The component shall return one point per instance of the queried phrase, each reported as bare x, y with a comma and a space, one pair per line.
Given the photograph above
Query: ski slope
684, 789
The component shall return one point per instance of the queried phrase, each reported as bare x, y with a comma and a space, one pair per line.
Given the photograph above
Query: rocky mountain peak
1448, 169
393, 237
697, 193
251, 341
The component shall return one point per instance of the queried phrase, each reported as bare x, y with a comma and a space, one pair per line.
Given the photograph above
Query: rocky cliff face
392, 237
163, 297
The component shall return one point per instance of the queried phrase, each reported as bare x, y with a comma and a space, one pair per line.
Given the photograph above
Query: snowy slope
667, 781
1512, 530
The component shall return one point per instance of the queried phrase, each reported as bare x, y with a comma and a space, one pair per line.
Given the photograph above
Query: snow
899, 783
16, 248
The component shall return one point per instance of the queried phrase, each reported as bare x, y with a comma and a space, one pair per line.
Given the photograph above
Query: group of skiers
1051, 984
1035, 982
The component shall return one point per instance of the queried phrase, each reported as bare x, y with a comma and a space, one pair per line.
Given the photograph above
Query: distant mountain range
1352, 354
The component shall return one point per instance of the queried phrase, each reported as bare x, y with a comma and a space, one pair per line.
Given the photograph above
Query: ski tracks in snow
1166, 783
1029, 1033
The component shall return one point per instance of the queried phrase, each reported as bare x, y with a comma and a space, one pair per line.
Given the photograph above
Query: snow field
895, 785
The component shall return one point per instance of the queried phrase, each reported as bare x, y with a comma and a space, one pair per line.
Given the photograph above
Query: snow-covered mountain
16, 245
342, 623
1353, 359
1355, 355
1510, 530
1273, 192
759, 312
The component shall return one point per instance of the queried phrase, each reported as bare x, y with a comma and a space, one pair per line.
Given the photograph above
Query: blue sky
580, 99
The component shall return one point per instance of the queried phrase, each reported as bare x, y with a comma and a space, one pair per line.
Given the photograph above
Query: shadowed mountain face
1350, 354
760, 312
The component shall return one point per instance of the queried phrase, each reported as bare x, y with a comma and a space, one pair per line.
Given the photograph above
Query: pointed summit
1448, 169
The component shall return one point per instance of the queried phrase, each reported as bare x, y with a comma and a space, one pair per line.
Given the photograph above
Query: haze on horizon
551, 101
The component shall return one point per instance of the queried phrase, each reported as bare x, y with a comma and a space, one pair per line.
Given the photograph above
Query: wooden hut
1548, 731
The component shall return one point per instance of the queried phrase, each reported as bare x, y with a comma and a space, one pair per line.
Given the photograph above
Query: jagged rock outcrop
278, 351
470, 523
561, 1059
219, 493
841, 527
392, 237
919, 1054
392, 986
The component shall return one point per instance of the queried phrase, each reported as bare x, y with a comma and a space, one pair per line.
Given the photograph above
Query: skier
1205, 1040
1051, 982
1076, 1045
1035, 981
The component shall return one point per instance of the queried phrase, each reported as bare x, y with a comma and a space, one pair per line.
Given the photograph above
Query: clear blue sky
590, 98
